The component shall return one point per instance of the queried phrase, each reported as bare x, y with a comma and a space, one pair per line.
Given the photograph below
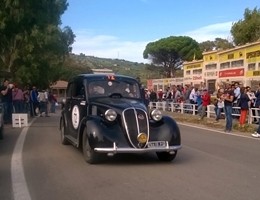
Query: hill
120, 66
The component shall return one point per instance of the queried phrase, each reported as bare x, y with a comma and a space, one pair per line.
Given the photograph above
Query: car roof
101, 77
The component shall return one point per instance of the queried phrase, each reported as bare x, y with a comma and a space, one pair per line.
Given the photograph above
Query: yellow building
158, 84
240, 64
193, 73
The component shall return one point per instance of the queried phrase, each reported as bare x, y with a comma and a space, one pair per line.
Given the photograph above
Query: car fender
166, 129
102, 134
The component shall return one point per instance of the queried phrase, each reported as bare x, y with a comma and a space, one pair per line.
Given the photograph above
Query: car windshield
128, 89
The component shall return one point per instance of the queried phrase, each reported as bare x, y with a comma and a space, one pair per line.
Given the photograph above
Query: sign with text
210, 74
195, 78
231, 73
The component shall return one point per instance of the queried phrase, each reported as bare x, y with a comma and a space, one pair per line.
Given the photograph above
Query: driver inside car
96, 90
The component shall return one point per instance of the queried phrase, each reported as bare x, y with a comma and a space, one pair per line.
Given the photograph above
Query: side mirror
63, 103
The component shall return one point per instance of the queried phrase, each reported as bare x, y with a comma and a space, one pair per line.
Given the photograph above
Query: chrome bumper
114, 150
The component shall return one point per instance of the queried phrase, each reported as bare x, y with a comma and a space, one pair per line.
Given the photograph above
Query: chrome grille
135, 122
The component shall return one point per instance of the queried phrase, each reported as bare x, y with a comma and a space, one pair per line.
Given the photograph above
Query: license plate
156, 144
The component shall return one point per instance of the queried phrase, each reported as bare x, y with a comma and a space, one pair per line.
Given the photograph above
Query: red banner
150, 84
231, 73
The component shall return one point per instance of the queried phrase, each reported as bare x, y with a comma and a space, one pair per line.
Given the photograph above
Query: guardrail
193, 109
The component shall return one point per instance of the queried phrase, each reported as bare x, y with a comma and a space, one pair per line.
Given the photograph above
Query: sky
121, 29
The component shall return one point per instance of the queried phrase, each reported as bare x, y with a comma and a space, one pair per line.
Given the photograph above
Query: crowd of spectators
225, 99
29, 100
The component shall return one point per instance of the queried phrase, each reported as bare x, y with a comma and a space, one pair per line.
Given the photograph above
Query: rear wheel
89, 154
166, 156
64, 141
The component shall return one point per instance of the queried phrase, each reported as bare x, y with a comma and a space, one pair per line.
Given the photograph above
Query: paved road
211, 165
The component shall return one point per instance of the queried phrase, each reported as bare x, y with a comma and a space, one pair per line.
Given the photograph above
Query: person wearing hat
205, 102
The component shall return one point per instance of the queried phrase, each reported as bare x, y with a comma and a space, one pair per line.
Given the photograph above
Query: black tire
64, 141
166, 156
1, 132
89, 154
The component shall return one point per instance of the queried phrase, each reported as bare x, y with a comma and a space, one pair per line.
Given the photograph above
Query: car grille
135, 122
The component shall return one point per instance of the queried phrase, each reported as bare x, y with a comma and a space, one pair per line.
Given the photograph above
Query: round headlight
110, 115
156, 115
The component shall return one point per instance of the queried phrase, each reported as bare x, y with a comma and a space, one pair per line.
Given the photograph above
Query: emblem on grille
140, 116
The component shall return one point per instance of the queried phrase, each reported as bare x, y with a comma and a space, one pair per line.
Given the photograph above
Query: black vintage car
107, 114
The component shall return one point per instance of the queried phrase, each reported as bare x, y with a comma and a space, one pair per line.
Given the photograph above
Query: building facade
240, 64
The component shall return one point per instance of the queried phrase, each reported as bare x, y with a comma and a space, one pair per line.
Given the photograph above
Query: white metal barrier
19, 120
253, 113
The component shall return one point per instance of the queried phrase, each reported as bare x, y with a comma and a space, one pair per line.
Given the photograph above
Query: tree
247, 30
218, 43
33, 46
171, 52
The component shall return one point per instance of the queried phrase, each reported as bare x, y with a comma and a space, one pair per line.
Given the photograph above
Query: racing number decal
75, 117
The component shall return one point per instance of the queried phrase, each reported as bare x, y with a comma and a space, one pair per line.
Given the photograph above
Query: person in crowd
176, 94
257, 102
153, 97
244, 106
34, 103
7, 101
199, 100
193, 96
26, 94
219, 104
18, 99
205, 102
160, 95
146, 96
236, 92
228, 103
256, 134
52, 101
43, 99
236, 101
46, 94
186, 93
168, 98
251, 103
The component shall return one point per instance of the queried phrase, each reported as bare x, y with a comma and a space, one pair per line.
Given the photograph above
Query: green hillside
119, 66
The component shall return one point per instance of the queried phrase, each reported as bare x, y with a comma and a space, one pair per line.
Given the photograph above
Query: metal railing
253, 113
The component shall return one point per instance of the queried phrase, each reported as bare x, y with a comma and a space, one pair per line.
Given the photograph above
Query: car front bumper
114, 150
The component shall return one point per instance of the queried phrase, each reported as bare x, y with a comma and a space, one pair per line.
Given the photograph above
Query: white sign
75, 117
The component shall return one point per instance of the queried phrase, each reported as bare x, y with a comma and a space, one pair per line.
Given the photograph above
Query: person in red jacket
205, 102
160, 95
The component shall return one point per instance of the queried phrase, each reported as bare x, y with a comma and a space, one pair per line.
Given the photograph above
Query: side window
70, 90
79, 90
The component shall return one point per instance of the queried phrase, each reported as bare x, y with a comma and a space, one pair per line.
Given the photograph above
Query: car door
76, 108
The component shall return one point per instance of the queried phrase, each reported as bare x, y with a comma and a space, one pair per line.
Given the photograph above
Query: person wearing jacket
205, 102
244, 106
257, 102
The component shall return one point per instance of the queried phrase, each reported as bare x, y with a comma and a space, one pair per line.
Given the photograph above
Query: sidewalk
210, 123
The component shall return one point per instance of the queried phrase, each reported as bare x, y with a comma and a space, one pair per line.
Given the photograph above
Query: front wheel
89, 154
166, 156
